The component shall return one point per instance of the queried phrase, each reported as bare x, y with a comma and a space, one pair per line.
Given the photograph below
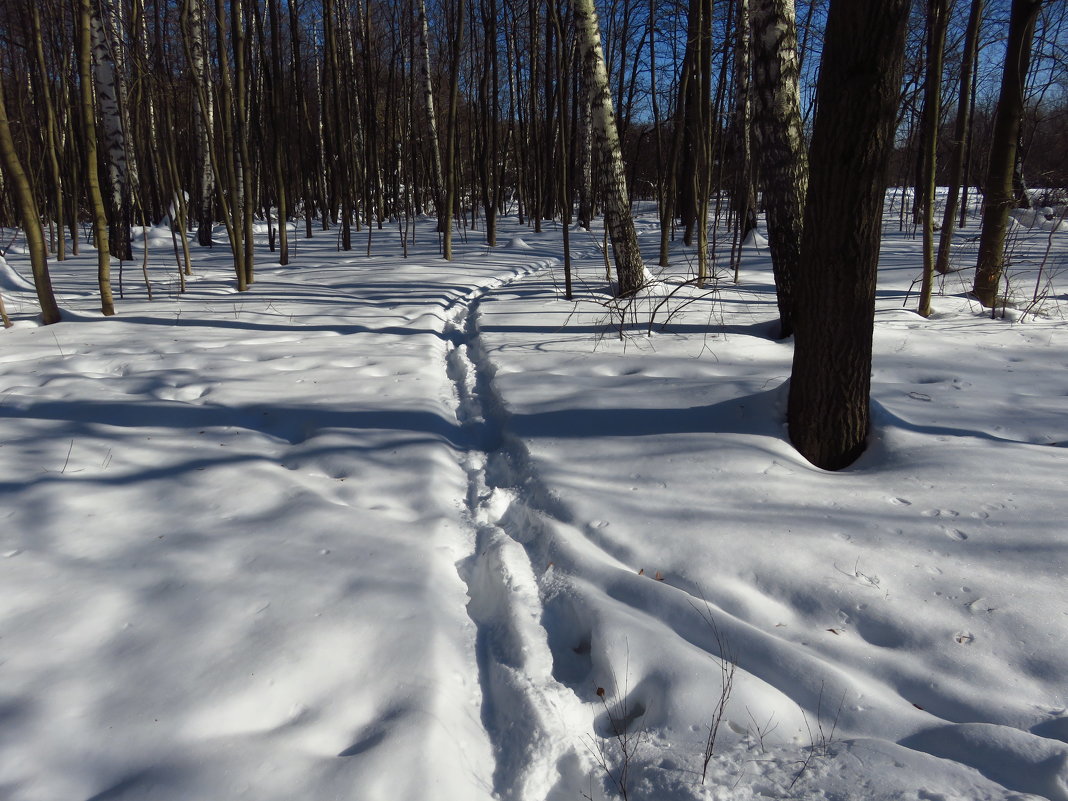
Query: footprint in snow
941, 513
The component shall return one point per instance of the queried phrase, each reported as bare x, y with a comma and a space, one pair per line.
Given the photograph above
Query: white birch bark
779, 144
427, 87
203, 119
114, 29
745, 192
113, 135
628, 257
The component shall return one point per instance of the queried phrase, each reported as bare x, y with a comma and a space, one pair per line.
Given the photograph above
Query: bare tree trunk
427, 85
628, 257
853, 133
452, 134
780, 144
563, 185
937, 23
203, 115
92, 180
279, 139
31, 219
999, 197
585, 126
960, 132
106, 80
309, 166
744, 201
241, 134
489, 140
51, 134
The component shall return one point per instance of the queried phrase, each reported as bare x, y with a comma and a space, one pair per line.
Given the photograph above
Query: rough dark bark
452, 134
858, 93
999, 196
937, 23
51, 134
960, 131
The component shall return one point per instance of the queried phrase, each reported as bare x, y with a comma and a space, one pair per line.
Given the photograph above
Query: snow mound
155, 235
517, 243
754, 239
11, 280
1015, 759
1043, 219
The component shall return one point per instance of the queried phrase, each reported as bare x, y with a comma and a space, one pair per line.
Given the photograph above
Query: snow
408, 529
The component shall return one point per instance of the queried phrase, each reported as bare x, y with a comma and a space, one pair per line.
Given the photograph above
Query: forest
359, 114
354, 116
657, 400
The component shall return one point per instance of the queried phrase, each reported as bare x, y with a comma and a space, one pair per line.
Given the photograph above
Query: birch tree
620, 223
113, 130
203, 114
780, 147
744, 200
426, 86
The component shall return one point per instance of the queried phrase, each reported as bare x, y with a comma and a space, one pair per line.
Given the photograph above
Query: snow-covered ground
388, 528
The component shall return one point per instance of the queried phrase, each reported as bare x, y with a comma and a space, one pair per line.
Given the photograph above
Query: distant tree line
356, 114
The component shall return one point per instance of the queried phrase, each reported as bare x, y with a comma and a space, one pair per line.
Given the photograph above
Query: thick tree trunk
999, 197
629, 267
853, 134
779, 143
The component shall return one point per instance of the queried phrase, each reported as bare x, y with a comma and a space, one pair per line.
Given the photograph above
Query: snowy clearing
386, 528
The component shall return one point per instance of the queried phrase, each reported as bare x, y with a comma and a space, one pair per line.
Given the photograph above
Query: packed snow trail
388, 528
233, 529
537, 724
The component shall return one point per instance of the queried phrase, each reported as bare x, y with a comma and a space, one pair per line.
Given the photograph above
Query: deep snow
407, 529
